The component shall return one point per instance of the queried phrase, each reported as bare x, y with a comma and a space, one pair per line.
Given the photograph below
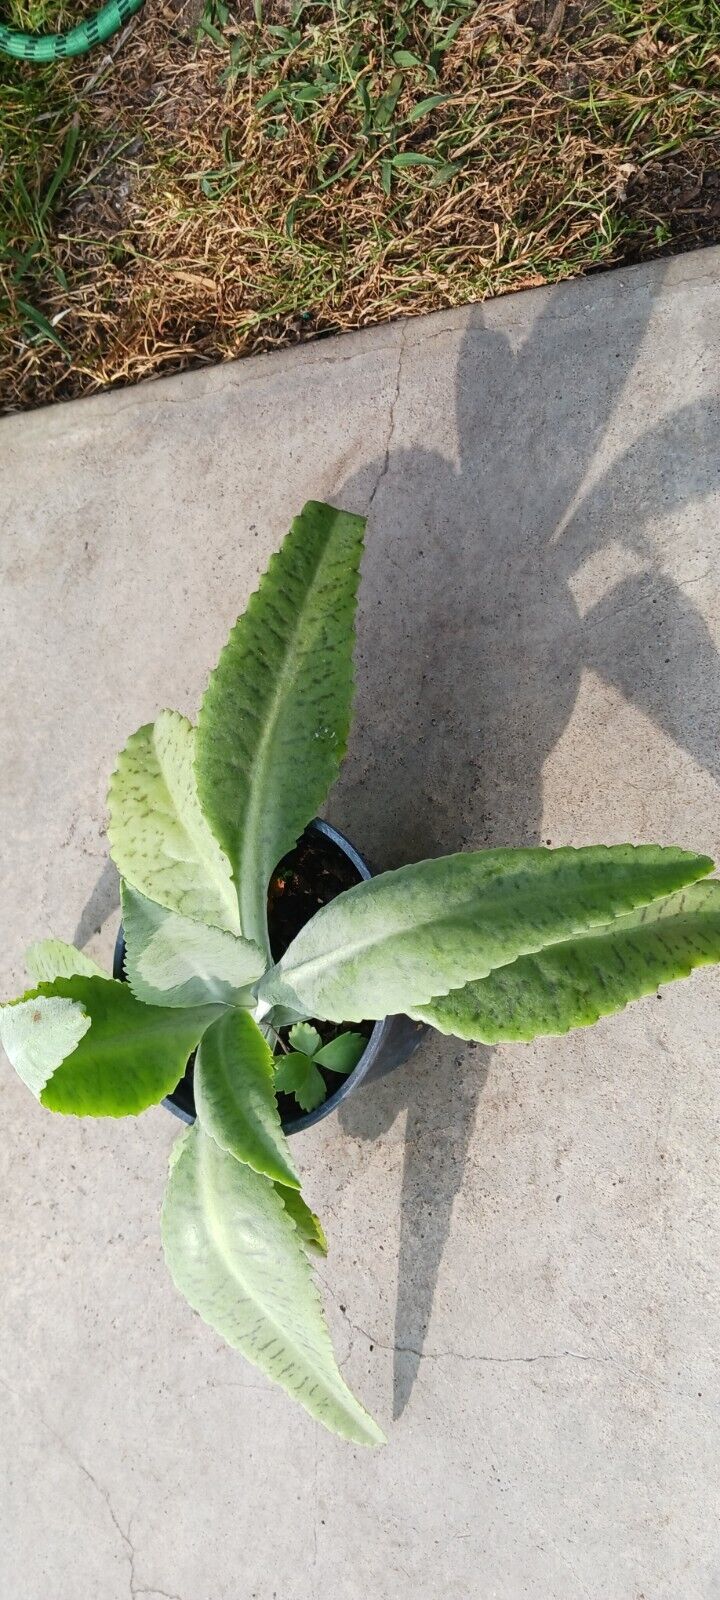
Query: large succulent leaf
307, 1223
274, 721
235, 1253
159, 839
572, 984
401, 939
171, 960
53, 958
234, 1087
99, 1051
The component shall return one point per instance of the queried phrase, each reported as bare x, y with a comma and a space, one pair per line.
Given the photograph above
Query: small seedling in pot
298, 1073
488, 945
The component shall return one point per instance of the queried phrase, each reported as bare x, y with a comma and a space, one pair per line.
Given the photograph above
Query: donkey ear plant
488, 945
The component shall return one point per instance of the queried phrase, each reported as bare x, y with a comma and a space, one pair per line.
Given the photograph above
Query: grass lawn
246, 177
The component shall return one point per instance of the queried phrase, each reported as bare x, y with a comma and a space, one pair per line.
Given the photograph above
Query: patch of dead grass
277, 182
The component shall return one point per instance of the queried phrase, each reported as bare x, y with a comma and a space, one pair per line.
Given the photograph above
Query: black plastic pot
390, 1043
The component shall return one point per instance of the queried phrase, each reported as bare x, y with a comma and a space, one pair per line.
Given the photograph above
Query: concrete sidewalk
524, 1243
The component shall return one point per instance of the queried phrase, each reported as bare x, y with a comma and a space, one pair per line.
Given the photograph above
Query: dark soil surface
679, 196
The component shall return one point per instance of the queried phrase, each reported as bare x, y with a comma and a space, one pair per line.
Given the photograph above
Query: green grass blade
40, 322
63, 168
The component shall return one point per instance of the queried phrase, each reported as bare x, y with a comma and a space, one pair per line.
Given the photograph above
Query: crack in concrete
163, 1594
521, 1360
129, 1548
391, 425
701, 577
501, 1361
353, 355
455, 1355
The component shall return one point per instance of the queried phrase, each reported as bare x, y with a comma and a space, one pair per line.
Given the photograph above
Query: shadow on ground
471, 653
100, 904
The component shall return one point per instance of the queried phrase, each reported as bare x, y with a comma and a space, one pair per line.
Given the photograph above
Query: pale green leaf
159, 839
343, 1053
171, 960
53, 958
274, 721
404, 938
304, 1037
235, 1253
572, 984
109, 1055
307, 1223
298, 1075
234, 1087
37, 1034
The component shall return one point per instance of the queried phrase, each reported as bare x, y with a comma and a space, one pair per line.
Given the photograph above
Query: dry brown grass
202, 221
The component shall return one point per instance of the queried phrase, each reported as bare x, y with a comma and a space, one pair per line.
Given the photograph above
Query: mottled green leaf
234, 1086
53, 958
38, 1033
109, 1055
572, 984
235, 1253
402, 939
307, 1223
171, 960
274, 721
160, 841
298, 1075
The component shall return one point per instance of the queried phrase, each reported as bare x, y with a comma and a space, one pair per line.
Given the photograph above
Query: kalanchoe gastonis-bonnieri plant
489, 945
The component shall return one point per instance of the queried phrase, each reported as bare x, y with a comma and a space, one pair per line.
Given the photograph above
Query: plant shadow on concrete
471, 652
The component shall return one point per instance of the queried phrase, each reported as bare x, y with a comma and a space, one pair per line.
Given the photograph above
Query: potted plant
262, 960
